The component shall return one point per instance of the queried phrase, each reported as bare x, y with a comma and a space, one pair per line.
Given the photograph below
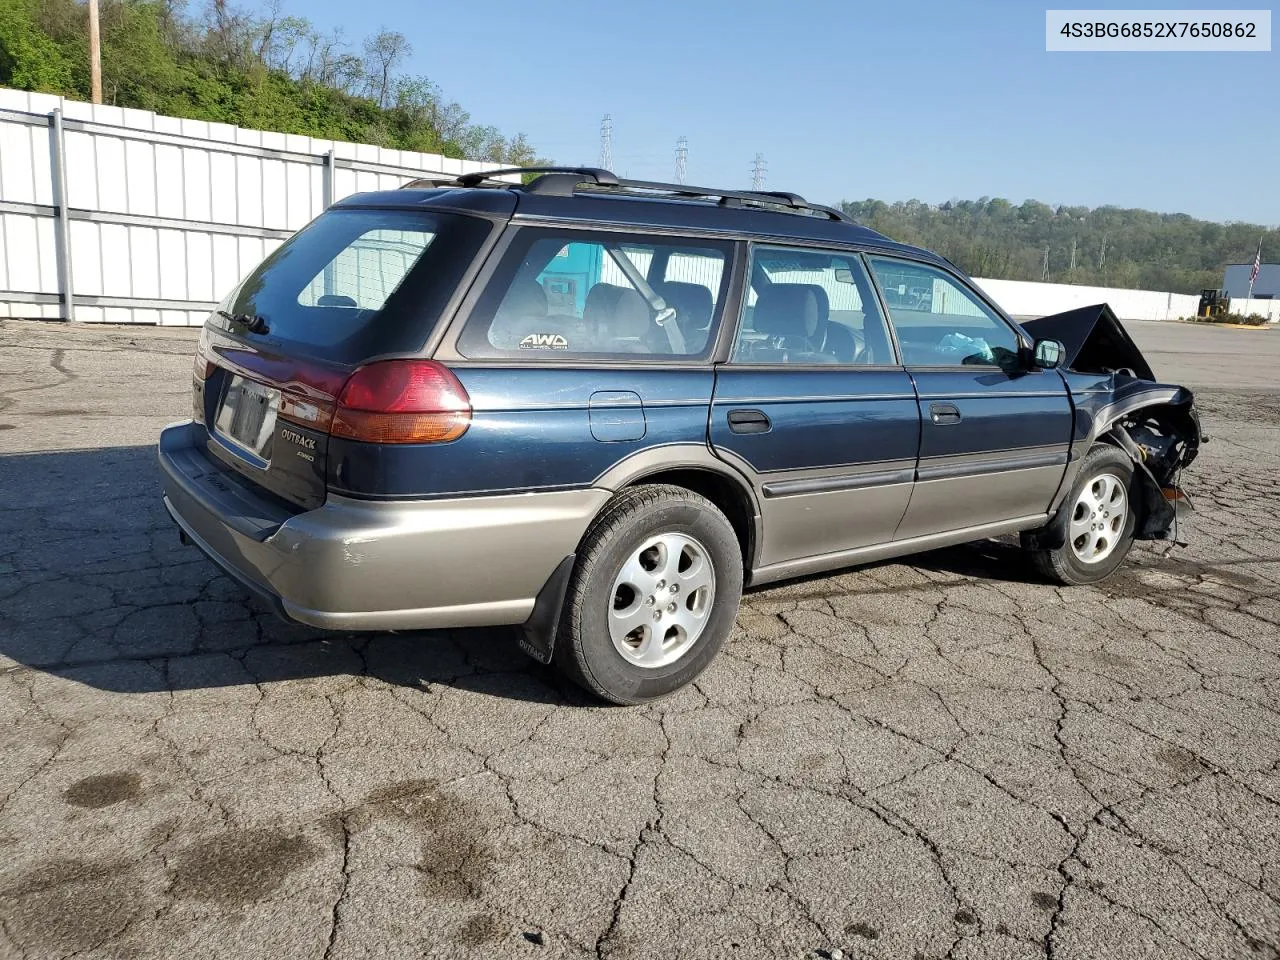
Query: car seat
793, 318
617, 319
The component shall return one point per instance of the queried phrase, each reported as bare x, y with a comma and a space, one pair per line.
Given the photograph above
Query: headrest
526, 298
616, 311
791, 310
693, 303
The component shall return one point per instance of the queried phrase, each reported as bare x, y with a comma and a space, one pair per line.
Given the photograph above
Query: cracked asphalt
936, 758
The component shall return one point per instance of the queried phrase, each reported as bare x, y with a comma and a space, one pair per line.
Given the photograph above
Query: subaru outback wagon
597, 408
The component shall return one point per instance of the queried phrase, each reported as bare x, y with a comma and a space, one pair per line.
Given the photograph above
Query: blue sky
848, 100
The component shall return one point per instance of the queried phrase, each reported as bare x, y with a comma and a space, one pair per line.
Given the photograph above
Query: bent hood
1095, 341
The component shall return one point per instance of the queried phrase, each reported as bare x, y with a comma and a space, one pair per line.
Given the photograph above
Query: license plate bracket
246, 418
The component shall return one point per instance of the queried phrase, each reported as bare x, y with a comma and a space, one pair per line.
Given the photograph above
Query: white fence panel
163, 215
1025, 299
28, 253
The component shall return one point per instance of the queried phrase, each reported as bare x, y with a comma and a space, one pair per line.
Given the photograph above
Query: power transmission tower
1044, 273
682, 159
606, 142
1073, 254
1102, 255
759, 170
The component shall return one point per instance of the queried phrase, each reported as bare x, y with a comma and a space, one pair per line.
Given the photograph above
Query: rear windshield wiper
253, 323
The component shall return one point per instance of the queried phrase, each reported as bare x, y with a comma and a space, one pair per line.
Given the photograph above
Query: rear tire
653, 595
1100, 521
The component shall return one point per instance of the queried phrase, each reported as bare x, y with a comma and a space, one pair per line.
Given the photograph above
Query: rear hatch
354, 285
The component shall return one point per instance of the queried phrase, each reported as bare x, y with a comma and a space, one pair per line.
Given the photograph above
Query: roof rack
566, 181
574, 175
592, 174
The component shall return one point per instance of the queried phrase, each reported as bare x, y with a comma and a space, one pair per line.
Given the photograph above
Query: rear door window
355, 283
568, 295
807, 306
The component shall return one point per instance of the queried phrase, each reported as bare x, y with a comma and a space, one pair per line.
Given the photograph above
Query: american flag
1257, 264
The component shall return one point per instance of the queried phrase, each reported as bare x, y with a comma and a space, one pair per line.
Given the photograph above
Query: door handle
749, 421
943, 413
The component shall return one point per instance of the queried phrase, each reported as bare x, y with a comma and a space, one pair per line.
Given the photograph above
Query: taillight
402, 401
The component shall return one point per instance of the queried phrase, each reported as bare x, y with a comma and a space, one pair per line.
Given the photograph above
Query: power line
759, 171
606, 142
682, 159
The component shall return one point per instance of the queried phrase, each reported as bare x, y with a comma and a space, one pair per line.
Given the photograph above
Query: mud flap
538, 633
1051, 536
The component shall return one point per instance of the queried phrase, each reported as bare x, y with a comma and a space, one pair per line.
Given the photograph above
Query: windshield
355, 283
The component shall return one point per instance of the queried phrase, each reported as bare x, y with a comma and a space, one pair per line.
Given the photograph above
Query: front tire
1099, 524
653, 595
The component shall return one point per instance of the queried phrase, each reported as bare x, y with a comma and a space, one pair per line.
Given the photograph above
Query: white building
1235, 283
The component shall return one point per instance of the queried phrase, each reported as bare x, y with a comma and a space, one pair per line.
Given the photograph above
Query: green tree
29, 58
1114, 246
268, 71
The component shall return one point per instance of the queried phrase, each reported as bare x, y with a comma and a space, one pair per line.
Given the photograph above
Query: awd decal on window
544, 341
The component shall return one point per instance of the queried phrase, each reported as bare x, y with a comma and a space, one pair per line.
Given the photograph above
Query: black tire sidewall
624, 681
1099, 461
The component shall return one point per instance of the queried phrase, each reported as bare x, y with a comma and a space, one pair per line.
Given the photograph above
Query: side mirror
1048, 354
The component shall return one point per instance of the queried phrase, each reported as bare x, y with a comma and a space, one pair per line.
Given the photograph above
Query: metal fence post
326, 195
327, 198
62, 221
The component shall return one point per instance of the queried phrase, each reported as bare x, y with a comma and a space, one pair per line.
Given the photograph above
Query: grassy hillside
268, 71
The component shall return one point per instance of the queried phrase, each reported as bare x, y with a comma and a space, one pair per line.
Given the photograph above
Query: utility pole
606, 142
1073, 253
682, 159
1044, 273
95, 54
759, 170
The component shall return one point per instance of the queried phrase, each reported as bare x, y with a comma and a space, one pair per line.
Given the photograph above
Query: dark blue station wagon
597, 408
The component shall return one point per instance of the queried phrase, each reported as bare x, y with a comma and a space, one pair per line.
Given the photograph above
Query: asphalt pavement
944, 757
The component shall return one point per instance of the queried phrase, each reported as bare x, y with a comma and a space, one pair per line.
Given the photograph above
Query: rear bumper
371, 565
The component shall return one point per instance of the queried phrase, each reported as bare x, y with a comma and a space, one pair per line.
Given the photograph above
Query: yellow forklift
1213, 303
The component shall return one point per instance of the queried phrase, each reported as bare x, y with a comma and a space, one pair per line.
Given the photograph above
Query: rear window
570, 295
367, 271
355, 283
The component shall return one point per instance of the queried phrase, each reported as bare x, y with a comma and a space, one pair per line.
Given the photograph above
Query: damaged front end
1118, 400
1161, 440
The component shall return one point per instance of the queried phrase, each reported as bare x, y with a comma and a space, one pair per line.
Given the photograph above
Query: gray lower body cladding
368, 565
